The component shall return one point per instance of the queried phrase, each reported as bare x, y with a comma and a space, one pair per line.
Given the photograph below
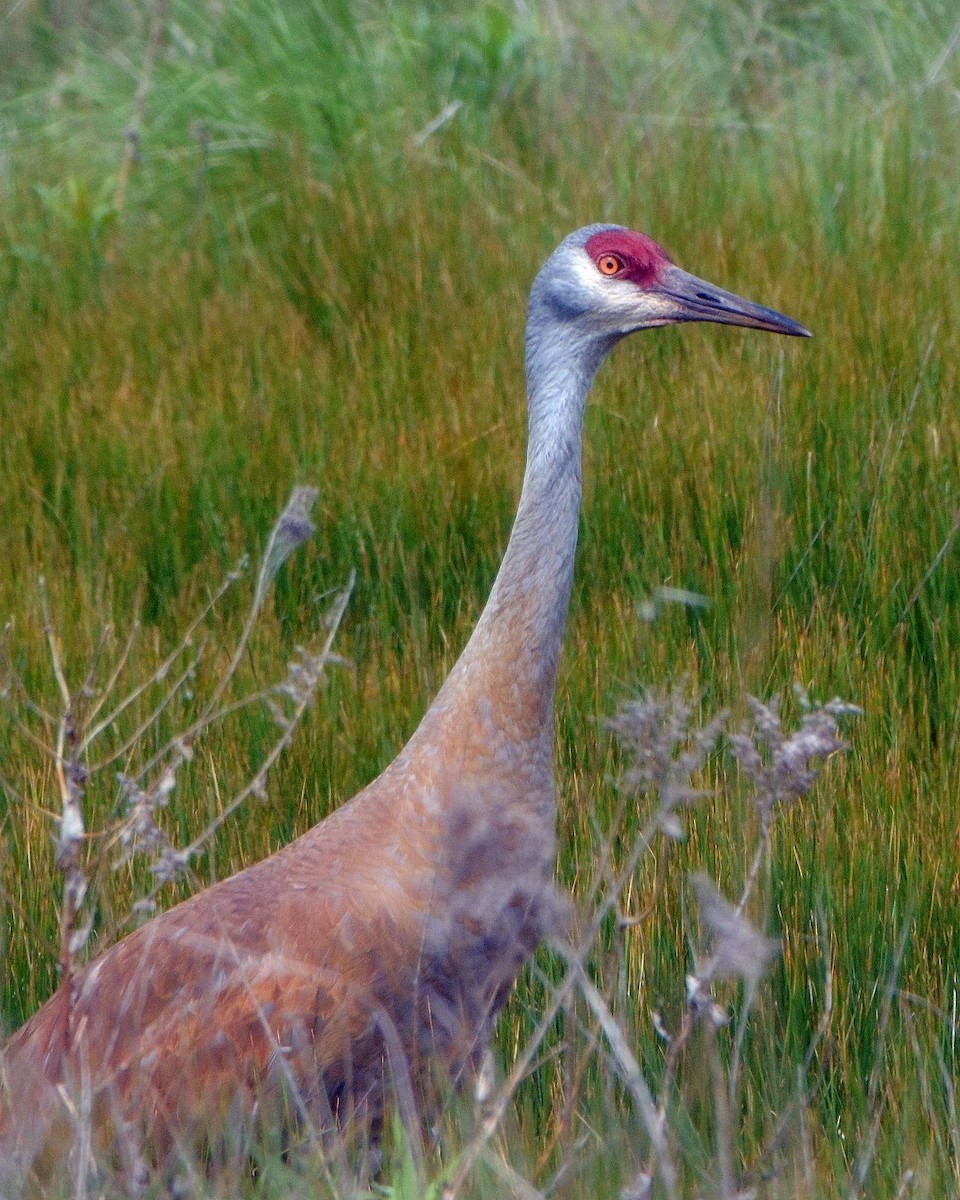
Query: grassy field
309, 264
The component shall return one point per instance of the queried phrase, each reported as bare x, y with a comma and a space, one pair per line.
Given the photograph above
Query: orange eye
609, 264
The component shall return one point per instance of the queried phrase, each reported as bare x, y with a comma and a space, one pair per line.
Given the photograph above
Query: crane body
372, 954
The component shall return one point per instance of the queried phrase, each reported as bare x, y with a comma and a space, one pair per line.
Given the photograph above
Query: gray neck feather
521, 627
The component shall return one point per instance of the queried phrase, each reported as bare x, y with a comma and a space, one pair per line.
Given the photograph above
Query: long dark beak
697, 300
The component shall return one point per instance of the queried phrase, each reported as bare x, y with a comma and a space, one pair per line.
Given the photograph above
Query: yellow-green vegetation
249, 246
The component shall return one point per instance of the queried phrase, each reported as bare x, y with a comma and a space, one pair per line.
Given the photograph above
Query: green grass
298, 290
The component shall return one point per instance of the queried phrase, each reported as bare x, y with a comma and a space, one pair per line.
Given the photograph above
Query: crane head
613, 281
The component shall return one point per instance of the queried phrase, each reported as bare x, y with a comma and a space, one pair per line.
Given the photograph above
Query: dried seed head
738, 949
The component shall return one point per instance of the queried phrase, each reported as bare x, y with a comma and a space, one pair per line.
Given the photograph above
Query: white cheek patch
651, 306
618, 301
589, 278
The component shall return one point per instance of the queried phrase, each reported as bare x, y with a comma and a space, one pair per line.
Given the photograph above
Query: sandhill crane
384, 940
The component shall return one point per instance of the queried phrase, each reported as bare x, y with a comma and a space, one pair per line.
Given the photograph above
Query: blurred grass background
308, 262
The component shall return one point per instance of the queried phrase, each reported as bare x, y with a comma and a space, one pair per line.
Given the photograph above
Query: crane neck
500, 693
